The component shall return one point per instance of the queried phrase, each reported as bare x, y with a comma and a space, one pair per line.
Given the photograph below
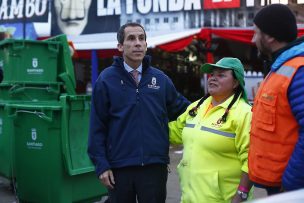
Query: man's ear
120, 47
269, 39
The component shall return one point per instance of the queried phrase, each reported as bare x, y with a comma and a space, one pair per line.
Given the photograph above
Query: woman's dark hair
121, 31
223, 119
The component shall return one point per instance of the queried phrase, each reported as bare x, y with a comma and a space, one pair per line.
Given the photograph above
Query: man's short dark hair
121, 31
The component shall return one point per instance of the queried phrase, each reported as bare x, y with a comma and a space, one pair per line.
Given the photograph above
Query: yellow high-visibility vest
215, 154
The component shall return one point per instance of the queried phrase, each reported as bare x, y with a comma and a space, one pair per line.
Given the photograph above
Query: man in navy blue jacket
132, 103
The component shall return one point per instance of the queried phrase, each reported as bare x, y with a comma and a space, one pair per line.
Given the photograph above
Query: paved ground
7, 195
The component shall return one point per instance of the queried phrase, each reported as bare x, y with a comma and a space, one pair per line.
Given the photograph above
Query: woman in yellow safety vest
215, 134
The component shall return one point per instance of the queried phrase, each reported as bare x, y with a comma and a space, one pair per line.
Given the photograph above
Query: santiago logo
33, 144
34, 134
34, 62
153, 84
35, 69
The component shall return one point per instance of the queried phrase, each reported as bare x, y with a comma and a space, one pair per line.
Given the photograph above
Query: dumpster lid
66, 68
24, 41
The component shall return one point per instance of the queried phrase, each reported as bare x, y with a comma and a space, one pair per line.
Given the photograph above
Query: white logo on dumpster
35, 70
34, 134
35, 62
34, 144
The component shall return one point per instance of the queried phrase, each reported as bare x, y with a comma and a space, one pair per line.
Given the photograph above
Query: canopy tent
166, 41
105, 45
106, 41
236, 34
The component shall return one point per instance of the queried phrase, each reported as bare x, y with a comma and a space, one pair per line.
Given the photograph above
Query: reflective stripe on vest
203, 128
286, 71
189, 125
232, 135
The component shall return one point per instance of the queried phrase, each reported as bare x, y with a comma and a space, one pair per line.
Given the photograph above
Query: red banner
215, 4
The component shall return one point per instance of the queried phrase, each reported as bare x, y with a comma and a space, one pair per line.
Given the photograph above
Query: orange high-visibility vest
274, 129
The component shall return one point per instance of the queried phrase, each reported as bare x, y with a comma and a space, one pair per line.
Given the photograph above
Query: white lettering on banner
129, 7
101, 10
189, 3
15, 8
274, 2
160, 5
113, 7
144, 6
3, 10
42, 10
29, 8
176, 5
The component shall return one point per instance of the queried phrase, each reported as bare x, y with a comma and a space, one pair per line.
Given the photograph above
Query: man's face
262, 41
134, 46
72, 15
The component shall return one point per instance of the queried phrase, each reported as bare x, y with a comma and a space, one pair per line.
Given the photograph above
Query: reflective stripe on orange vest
274, 130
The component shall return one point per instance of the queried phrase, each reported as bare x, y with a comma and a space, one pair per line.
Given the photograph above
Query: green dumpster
6, 143
40, 62
50, 152
31, 92
65, 64
29, 61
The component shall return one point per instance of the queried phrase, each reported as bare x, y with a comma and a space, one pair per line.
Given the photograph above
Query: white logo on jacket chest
153, 84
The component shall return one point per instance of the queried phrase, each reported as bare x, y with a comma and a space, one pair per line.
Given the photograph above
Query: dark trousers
146, 184
269, 190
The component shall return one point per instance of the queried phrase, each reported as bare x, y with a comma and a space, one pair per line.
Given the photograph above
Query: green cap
230, 63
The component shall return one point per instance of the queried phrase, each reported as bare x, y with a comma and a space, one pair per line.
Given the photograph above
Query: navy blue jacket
129, 123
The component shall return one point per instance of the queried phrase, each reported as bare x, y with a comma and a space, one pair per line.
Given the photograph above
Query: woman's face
221, 84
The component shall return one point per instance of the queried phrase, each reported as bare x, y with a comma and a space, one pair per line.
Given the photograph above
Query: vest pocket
266, 112
269, 166
198, 185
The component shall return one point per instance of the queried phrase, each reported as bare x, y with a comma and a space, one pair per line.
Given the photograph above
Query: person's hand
236, 199
107, 179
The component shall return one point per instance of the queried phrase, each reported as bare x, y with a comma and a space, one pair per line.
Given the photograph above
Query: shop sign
215, 4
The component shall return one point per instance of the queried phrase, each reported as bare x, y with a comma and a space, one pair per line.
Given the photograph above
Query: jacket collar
288, 52
226, 103
146, 63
